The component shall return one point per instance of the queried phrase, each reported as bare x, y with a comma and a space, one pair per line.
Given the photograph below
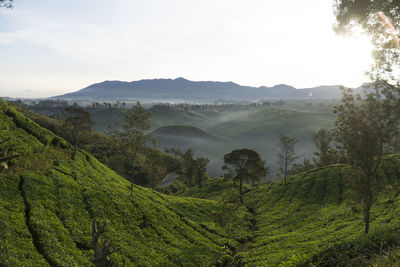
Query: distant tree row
214, 107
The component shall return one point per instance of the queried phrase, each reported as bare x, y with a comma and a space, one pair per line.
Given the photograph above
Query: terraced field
313, 220
50, 197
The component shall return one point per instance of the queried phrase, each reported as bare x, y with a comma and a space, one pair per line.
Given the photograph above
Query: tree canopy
79, 121
381, 20
364, 126
286, 155
325, 155
133, 136
245, 165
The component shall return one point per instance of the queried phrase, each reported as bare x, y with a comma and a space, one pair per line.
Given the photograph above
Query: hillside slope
312, 221
48, 201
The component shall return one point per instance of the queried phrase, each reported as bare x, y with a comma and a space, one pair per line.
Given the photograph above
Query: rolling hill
313, 221
185, 137
184, 131
49, 199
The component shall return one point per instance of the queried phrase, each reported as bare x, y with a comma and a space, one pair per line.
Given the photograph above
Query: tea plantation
50, 197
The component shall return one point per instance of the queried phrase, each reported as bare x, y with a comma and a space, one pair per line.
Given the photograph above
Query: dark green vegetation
313, 221
79, 120
244, 165
365, 126
286, 155
48, 201
152, 165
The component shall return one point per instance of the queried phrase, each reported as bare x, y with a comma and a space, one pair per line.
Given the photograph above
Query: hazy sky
49, 47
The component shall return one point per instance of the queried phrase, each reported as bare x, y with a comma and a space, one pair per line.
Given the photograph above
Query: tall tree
325, 154
245, 165
78, 121
364, 125
286, 155
133, 135
201, 171
154, 161
189, 167
194, 171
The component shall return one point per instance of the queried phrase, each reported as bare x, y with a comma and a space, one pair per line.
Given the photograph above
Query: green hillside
313, 222
48, 201
49, 198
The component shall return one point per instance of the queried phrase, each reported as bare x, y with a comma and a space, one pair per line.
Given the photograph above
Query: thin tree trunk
286, 163
131, 188
368, 205
133, 163
76, 141
240, 186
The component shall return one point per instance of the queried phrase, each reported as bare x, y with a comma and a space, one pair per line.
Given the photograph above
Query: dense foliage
48, 201
314, 221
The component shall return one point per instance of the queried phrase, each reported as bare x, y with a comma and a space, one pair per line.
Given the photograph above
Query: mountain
184, 132
185, 90
201, 142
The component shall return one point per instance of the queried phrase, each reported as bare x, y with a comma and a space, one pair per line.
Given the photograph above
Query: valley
218, 132
54, 198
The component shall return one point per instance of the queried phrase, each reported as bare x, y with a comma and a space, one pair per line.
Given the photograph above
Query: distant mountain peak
181, 89
181, 79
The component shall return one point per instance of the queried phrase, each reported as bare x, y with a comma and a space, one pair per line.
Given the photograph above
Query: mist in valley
256, 128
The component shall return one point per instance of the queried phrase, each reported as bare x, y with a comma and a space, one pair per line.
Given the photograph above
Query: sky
51, 47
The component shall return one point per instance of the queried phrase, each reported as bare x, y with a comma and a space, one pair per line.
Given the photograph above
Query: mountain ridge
183, 89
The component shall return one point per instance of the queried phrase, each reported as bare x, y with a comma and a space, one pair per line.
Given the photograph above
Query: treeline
214, 107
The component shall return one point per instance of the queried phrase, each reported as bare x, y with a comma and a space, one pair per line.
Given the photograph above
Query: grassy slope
301, 221
48, 202
214, 189
311, 220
